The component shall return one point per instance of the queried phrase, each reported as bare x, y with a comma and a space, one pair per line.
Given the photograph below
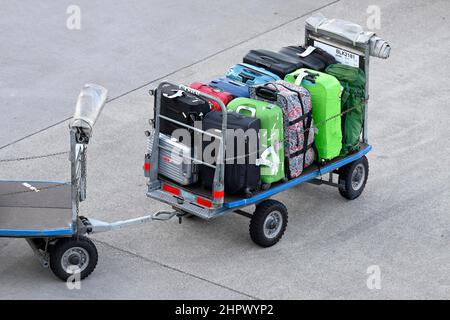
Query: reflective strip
204, 202
147, 166
218, 194
171, 189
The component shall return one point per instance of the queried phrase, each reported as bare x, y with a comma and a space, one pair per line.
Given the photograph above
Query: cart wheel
268, 223
353, 178
72, 255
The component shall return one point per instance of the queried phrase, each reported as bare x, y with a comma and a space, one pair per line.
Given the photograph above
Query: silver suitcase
175, 161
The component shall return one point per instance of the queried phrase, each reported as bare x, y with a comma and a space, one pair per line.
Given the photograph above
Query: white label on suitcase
341, 55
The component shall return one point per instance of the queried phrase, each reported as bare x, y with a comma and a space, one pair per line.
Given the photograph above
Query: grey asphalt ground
401, 223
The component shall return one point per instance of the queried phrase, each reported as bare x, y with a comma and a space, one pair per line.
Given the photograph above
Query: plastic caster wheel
353, 178
73, 255
268, 223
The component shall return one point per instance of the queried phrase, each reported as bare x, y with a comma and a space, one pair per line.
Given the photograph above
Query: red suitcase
225, 97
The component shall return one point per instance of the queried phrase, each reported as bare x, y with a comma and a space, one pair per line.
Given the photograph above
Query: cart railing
152, 160
361, 50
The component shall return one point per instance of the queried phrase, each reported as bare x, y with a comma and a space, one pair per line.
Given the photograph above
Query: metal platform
235, 202
35, 208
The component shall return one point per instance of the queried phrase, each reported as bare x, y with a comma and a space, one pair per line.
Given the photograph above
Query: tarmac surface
401, 222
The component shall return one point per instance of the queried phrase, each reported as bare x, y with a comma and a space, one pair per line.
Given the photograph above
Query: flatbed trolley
46, 213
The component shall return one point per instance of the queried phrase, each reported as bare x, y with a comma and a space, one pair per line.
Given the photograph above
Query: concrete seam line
184, 67
176, 269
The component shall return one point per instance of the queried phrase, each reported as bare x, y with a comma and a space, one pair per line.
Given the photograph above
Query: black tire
82, 247
268, 212
353, 178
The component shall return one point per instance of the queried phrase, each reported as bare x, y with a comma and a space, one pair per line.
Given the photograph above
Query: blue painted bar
36, 233
297, 181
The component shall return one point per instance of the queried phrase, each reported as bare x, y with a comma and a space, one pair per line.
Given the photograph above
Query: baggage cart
269, 218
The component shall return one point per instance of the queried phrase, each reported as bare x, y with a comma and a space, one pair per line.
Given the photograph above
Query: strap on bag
300, 76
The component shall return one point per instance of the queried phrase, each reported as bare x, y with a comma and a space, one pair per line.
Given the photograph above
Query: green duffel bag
353, 81
271, 136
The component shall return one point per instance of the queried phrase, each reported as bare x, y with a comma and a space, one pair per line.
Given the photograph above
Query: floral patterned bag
299, 128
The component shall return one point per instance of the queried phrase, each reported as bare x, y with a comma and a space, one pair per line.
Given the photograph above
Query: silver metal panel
175, 161
35, 205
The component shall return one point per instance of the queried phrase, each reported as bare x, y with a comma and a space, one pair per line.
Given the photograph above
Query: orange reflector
171, 189
204, 202
218, 194
147, 166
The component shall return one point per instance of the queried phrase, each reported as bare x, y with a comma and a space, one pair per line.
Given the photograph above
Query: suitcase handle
252, 71
235, 83
267, 93
245, 77
252, 110
265, 61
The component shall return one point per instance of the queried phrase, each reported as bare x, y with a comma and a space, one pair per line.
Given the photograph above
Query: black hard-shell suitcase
181, 106
238, 177
317, 59
275, 62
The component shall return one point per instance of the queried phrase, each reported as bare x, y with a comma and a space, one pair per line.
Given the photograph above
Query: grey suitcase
175, 161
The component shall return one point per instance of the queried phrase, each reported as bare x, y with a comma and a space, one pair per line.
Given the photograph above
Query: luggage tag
177, 94
307, 52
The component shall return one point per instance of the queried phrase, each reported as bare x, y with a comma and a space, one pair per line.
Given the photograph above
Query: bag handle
265, 61
248, 108
266, 92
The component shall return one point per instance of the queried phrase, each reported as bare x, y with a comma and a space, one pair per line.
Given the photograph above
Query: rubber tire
62, 245
345, 179
262, 210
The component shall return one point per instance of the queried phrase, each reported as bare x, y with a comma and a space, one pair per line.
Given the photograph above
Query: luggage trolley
46, 213
269, 219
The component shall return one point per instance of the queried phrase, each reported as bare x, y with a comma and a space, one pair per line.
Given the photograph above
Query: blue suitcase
250, 75
237, 89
